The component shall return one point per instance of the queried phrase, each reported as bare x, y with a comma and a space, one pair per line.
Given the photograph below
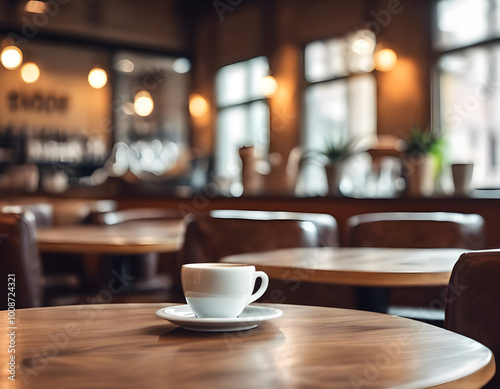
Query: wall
281, 28
63, 73
154, 23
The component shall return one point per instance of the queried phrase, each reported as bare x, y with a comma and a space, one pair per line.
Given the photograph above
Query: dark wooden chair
416, 230
472, 301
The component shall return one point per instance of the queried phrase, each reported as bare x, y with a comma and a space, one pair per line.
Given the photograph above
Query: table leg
373, 299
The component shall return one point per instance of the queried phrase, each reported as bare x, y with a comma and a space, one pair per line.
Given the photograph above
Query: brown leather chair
212, 235
43, 211
19, 256
472, 301
216, 234
416, 230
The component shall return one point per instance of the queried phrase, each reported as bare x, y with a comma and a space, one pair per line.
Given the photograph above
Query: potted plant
333, 156
422, 159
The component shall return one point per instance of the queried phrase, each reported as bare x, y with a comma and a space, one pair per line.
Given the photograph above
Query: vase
333, 173
420, 175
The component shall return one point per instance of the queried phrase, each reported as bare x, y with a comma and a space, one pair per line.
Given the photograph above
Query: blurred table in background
373, 270
137, 237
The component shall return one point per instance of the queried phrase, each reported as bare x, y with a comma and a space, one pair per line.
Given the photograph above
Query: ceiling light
11, 57
198, 106
143, 103
30, 72
385, 60
36, 7
97, 78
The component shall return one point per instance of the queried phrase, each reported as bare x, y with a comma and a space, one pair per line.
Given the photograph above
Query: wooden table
139, 241
372, 270
138, 237
126, 346
357, 266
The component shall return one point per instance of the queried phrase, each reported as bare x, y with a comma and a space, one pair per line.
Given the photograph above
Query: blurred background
360, 98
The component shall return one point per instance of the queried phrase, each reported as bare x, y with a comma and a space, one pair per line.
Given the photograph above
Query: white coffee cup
220, 290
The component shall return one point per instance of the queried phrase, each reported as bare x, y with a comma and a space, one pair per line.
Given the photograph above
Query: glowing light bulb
11, 57
268, 85
385, 60
30, 72
36, 7
143, 103
198, 106
97, 78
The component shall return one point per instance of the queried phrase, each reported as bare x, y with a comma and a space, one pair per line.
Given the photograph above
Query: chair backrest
43, 212
326, 225
76, 211
134, 214
215, 234
472, 301
19, 255
416, 230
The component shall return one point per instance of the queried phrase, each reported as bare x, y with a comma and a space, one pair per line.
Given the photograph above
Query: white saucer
249, 318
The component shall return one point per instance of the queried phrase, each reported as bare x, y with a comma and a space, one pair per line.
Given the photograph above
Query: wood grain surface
127, 346
127, 238
356, 266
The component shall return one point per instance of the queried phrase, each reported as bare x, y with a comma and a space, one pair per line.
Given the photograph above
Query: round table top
380, 267
126, 345
137, 237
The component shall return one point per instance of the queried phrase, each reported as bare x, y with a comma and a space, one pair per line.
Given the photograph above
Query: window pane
231, 135
361, 47
461, 22
245, 125
239, 82
259, 126
339, 57
258, 68
341, 109
325, 60
469, 98
232, 84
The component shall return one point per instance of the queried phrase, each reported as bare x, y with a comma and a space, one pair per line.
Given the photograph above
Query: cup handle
265, 282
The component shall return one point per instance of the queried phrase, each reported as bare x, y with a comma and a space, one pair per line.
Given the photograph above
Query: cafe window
340, 99
243, 116
466, 41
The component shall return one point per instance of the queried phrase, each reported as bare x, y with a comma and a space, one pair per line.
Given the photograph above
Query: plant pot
333, 176
462, 177
420, 174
